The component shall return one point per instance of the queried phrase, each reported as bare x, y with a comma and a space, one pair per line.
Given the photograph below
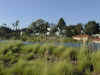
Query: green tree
92, 28
5, 32
78, 29
16, 28
69, 31
53, 30
39, 26
61, 25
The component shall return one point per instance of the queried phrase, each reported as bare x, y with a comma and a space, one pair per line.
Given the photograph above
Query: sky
27, 11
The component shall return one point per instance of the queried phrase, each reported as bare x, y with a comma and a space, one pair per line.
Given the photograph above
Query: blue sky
73, 11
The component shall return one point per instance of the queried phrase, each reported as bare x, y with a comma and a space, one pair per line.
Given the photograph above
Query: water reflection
92, 46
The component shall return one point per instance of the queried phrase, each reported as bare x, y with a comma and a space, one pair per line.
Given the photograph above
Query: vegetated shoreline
47, 59
40, 29
43, 39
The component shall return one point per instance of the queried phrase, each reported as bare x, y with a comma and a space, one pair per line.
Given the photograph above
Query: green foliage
61, 24
46, 59
60, 68
42, 27
53, 30
78, 29
39, 26
92, 28
96, 61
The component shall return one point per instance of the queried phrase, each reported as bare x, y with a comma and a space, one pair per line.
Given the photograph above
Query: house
96, 35
96, 40
48, 31
82, 37
86, 37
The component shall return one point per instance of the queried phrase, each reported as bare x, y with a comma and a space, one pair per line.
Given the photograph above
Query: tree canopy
42, 27
92, 27
61, 25
39, 26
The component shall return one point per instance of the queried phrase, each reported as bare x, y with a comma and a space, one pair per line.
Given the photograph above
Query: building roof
81, 36
96, 39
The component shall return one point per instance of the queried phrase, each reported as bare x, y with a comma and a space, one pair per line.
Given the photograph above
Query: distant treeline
42, 27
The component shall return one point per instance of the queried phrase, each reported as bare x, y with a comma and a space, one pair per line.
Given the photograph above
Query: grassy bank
47, 39
19, 59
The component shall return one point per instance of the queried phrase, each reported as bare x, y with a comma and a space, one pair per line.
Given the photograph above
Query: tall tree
78, 28
92, 28
61, 25
68, 32
39, 26
15, 27
53, 30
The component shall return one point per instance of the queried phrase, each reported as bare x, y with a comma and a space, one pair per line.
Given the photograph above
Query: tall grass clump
58, 50
84, 63
96, 61
30, 52
23, 67
60, 68
17, 58
70, 54
9, 51
30, 48
13, 46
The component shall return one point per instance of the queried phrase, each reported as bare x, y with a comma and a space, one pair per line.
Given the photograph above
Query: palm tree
15, 27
